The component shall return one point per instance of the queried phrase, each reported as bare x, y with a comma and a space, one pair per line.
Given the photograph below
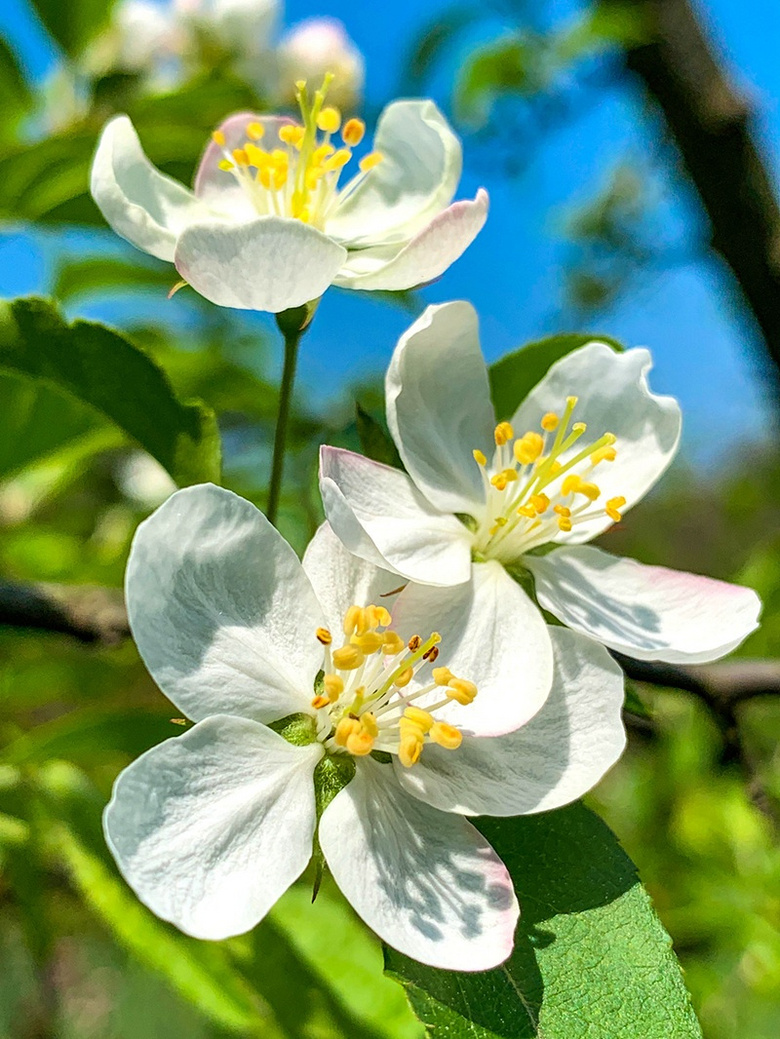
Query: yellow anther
410, 749
256, 156
500, 480
503, 433
528, 448
370, 161
550, 422
442, 675
404, 678
333, 686
604, 454
562, 510
226, 164
280, 158
337, 160
279, 180
353, 620
323, 152
527, 510
324, 636
353, 132
345, 728
446, 736
369, 643
360, 743
291, 134
414, 643
590, 490
612, 507
540, 502
369, 724
240, 157
393, 643
348, 658
461, 691
319, 702
564, 524
329, 120
418, 717
255, 131
571, 485
218, 138
264, 176
383, 616
479, 458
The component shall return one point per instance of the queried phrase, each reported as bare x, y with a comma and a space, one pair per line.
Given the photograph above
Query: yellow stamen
333, 686
226, 165
353, 620
500, 480
503, 433
292, 134
324, 636
240, 157
562, 510
369, 643
404, 678
369, 724
218, 138
414, 643
442, 675
345, 728
446, 736
360, 743
353, 132
612, 506
337, 160
590, 490
461, 691
479, 458
564, 523
419, 717
528, 448
370, 161
393, 643
329, 120
410, 749
320, 701
550, 422
540, 502
604, 454
255, 131
348, 658
527, 510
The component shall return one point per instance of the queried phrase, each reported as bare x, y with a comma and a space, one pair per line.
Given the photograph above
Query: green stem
292, 324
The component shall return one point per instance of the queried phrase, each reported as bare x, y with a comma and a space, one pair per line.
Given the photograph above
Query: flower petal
219, 188
417, 178
141, 204
379, 515
212, 827
428, 883
271, 263
221, 610
613, 397
647, 612
439, 408
561, 753
492, 635
425, 257
341, 579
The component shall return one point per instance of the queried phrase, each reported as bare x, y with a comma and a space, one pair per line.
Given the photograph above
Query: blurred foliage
79, 956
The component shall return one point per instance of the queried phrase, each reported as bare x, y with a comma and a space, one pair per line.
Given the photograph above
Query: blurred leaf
105, 370
431, 42
15, 94
510, 65
76, 278
591, 957
375, 440
73, 24
514, 376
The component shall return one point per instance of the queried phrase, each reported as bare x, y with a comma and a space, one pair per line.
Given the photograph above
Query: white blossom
211, 827
314, 47
585, 445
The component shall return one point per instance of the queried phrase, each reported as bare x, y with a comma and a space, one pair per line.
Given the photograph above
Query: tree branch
86, 613
713, 127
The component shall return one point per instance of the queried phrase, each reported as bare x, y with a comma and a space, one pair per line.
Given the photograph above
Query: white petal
219, 188
439, 408
341, 579
613, 397
492, 635
424, 258
647, 612
221, 610
270, 263
557, 757
428, 883
379, 514
417, 178
141, 204
212, 827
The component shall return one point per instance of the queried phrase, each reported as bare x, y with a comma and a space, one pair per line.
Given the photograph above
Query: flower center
534, 493
372, 697
300, 179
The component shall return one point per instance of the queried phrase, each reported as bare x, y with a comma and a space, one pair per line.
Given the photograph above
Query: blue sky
512, 272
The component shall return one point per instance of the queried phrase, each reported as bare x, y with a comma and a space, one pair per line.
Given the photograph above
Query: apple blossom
585, 445
316, 46
296, 674
269, 225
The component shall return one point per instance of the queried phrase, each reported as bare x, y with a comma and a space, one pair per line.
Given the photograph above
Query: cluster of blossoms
403, 677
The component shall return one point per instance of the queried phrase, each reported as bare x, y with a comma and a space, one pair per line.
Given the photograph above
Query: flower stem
292, 324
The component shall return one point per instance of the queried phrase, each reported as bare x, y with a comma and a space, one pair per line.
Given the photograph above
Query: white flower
585, 445
316, 46
143, 37
269, 225
210, 828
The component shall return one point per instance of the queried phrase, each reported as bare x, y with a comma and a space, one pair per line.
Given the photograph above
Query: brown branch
86, 613
713, 126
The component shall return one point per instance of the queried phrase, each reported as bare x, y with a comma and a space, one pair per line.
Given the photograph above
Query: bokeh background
595, 225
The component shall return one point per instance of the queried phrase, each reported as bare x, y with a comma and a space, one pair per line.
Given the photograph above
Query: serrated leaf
514, 376
375, 440
107, 371
591, 957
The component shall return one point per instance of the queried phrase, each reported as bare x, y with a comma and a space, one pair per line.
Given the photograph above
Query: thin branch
86, 613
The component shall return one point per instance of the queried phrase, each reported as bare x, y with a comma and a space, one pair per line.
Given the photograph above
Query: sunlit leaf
74, 23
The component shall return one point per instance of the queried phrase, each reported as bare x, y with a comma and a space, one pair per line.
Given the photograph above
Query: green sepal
298, 729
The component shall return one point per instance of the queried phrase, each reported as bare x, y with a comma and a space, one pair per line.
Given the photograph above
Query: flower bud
316, 46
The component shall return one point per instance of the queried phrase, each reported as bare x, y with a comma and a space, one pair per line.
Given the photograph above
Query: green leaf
504, 66
375, 440
514, 376
591, 957
74, 23
15, 94
85, 276
104, 369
